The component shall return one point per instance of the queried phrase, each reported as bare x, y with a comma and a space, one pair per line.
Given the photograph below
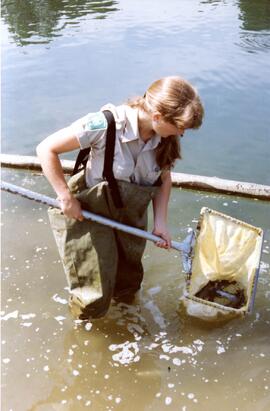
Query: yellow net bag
225, 267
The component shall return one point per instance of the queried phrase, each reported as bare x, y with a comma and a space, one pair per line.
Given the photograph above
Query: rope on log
189, 181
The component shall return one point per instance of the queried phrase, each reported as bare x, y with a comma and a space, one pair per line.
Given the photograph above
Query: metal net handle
185, 247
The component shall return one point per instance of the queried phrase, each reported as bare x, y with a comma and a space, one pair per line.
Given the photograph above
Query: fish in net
224, 292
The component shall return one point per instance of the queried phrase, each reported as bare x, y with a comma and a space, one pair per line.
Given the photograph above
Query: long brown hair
179, 104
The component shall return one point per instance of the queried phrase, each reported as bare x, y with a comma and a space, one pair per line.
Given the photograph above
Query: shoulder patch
95, 121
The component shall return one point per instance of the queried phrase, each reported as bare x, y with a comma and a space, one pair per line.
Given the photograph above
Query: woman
99, 262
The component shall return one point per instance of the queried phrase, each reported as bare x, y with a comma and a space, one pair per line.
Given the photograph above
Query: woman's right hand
71, 207
48, 152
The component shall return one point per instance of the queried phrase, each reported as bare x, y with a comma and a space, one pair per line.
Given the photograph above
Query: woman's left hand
162, 231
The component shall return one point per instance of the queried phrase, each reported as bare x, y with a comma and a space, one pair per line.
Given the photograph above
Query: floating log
220, 185
30, 163
189, 181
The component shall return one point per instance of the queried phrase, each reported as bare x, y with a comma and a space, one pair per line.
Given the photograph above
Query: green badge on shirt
95, 121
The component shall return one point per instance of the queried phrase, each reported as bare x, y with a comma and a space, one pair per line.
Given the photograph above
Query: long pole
41, 198
185, 247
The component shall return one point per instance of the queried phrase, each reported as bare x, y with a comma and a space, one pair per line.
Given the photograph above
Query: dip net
225, 267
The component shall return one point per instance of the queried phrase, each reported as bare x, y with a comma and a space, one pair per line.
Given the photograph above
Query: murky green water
62, 59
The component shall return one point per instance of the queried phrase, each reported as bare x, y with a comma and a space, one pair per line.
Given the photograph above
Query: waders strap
108, 175
81, 160
108, 160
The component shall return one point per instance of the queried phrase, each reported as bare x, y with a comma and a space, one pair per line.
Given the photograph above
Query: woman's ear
156, 116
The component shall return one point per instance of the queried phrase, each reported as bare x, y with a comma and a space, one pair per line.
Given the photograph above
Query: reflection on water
45, 20
255, 25
254, 16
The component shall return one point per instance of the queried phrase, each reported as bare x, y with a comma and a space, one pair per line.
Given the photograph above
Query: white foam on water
168, 400
151, 346
78, 322
60, 318
88, 326
13, 314
177, 361
220, 350
6, 360
26, 324
170, 348
27, 316
128, 352
198, 342
264, 267
164, 357
58, 299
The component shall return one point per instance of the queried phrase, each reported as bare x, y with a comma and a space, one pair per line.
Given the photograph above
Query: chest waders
99, 262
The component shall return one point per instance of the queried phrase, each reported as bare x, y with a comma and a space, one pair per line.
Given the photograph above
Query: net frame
212, 309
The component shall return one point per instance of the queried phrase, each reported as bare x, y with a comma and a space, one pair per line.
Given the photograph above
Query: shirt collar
131, 132
126, 118
152, 143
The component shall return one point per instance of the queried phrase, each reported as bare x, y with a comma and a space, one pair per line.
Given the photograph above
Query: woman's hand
48, 152
162, 231
71, 207
160, 208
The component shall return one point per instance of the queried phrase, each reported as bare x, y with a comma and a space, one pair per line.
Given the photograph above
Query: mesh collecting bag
224, 271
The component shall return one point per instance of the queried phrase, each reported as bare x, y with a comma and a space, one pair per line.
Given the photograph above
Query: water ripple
254, 42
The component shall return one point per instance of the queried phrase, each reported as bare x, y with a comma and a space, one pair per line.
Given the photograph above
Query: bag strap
108, 175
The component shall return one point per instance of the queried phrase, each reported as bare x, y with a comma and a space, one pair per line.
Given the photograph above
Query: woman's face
165, 129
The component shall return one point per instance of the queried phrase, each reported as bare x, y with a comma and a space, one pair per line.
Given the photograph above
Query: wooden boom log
189, 181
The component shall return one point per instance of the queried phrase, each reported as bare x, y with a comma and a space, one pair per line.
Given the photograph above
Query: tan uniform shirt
134, 160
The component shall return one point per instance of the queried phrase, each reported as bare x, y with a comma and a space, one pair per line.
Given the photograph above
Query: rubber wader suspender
108, 160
